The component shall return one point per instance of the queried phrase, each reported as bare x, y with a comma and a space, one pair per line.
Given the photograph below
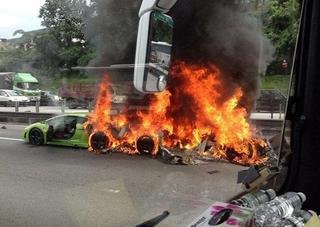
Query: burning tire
99, 141
145, 145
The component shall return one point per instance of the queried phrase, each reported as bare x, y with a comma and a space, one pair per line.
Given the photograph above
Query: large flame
197, 106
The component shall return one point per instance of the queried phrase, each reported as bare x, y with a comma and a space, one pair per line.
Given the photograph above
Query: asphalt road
58, 186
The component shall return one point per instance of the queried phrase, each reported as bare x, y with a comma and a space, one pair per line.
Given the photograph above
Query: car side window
70, 120
55, 121
2, 93
82, 120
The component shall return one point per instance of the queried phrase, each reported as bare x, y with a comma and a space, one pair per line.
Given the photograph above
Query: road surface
57, 186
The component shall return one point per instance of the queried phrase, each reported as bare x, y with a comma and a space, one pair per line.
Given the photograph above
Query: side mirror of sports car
79, 127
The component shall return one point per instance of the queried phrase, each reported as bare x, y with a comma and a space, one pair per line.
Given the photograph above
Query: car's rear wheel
145, 145
36, 137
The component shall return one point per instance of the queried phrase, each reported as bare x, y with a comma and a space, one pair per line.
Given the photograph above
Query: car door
79, 137
81, 133
55, 128
67, 131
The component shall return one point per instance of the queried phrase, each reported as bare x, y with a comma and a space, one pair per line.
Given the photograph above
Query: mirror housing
159, 5
153, 52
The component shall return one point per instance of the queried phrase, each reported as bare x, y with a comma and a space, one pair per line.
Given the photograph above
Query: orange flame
197, 105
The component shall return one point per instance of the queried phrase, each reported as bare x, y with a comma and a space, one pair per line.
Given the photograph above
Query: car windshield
29, 86
177, 114
47, 93
13, 93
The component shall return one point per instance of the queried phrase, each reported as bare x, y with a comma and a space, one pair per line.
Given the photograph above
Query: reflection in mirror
159, 52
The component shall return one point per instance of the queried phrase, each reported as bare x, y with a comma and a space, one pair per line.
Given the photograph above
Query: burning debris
196, 119
170, 158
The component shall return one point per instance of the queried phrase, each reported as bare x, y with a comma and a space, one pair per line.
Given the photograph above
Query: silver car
10, 97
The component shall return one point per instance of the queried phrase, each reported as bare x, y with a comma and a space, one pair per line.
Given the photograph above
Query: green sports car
64, 130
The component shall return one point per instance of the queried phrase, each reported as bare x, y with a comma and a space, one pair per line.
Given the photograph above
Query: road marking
11, 139
8, 124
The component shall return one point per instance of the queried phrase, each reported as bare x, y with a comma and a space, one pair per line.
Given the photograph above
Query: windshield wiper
154, 221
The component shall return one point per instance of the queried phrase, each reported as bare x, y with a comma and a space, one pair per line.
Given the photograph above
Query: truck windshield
28, 86
97, 151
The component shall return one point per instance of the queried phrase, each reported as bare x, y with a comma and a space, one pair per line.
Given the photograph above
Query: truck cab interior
303, 112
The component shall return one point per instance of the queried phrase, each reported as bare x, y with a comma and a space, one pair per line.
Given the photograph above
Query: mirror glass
158, 52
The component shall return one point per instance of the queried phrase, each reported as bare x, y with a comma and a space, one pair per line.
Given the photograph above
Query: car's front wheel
36, 137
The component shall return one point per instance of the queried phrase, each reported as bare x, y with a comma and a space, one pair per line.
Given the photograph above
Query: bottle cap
271, 193
302, 196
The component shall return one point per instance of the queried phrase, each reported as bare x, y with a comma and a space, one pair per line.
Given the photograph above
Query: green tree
281, 20
16, 59
64, 45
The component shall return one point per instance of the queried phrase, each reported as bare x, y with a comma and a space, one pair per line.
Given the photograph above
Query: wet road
57, 186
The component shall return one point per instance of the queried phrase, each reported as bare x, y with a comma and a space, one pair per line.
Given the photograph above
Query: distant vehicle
10, 97
78, 94
270, 100
160, 54
48, 98
24, 83
64, 130
82, 94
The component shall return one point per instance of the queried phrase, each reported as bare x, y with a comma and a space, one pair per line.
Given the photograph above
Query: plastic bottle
255, 199
292, 222
271, 213
298, 219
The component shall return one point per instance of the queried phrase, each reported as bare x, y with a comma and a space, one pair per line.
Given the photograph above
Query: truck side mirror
153, 52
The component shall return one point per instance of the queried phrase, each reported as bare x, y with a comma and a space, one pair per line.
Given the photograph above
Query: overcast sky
19, 14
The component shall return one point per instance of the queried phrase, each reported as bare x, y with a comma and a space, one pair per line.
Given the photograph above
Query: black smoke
206, 31
111, 26
221, 32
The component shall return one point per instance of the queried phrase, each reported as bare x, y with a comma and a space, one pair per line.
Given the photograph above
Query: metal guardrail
36, 105
28, 118
270, 126
270, 101
270, 123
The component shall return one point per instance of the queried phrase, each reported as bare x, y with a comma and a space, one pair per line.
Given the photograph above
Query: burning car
208, 126
178, 120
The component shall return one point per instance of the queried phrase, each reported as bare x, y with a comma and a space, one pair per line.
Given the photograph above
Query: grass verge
279, 82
